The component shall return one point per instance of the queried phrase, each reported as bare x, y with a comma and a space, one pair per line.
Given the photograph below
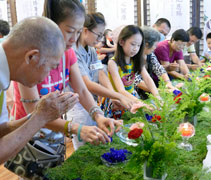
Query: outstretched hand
106, 123
93, 135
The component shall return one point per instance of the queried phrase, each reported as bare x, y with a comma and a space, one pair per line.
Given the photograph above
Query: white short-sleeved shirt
188, 50
4, 83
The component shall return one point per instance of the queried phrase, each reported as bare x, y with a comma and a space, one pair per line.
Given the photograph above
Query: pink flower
136, 106
137, 125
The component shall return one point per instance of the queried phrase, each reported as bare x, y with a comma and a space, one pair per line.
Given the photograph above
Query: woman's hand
93, 135
106, 123
123, 103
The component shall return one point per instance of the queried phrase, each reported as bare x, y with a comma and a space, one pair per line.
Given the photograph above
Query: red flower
206, 76
177, 99
135, 133
156, 118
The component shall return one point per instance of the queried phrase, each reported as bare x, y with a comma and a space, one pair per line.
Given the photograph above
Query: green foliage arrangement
157, 145
191, 91
187, 165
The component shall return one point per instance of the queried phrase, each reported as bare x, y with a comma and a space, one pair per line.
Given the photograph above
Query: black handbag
32, 161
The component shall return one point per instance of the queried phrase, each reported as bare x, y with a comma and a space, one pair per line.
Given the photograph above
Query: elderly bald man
32, 49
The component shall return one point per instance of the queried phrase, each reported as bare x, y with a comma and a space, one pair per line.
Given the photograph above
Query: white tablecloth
207, 160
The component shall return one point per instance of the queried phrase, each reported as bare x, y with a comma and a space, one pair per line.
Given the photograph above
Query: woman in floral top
154, 68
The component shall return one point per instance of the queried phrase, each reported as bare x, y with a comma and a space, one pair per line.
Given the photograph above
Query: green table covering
86, 164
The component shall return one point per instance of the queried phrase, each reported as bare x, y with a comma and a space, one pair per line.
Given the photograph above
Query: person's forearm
106, 50
127, 94
10, 126
12, 143
165, 77
176, 74
151, 86
59, 124
99, 90
104, 81
143, 86
195, 59
165, 66
167, 80
184, 69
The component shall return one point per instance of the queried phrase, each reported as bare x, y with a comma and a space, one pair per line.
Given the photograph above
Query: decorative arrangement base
186, 146
148, 174
192, 120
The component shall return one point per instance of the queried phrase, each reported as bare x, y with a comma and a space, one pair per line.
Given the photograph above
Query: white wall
176, 11
27, 8
116, 12
3, 10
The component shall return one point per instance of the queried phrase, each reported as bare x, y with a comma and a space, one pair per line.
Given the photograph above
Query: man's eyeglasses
99, 36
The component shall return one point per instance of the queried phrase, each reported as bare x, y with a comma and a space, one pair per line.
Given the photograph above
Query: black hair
163, 20
180, 35
4, 28
94, 19
208, 36
59, 10
195, 31
119, 56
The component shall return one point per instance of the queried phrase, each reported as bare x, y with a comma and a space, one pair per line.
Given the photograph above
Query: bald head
38, 33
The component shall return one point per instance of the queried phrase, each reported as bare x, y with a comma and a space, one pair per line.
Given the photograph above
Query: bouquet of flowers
156, 133
190, 97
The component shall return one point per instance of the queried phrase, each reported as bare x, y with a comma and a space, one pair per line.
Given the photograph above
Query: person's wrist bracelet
68, 128
79, 133
95, 109
29, 100
28, 116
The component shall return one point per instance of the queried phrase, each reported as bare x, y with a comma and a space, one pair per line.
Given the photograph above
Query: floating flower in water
135, 133
206, 76
187, 129
204, 98
116, 156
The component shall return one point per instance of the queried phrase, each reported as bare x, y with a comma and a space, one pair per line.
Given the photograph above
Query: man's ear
32, 56
85, 30
121, 42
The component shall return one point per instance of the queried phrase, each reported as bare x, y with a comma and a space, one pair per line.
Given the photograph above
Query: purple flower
148, 117
115, 156
176, 92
